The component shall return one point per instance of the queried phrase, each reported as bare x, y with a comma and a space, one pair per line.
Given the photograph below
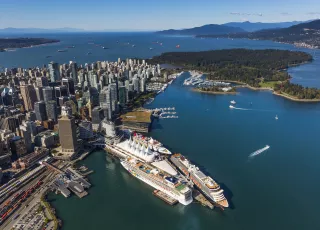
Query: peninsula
256, 69
305, 35
13, 43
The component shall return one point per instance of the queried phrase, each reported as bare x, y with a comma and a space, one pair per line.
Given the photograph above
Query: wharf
165, 197
87, 173
201, 199
113, 150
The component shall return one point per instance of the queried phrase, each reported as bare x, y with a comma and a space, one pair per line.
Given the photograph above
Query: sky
141, 15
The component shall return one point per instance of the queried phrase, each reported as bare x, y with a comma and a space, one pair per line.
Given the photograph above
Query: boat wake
259, 151
242, 109
258, 110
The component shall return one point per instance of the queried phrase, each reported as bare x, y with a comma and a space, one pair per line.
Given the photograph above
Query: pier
201, 199
169, 200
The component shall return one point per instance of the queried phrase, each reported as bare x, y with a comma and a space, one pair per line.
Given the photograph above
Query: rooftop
137, 116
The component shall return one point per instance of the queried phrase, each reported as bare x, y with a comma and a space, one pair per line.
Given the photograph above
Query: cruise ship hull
198, 183
155, 184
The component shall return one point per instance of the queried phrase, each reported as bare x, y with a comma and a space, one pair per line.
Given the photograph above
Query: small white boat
164, 150
233, 102
231, 107
276, 117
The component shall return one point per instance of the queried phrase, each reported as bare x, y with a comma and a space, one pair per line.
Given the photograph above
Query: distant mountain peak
205, 29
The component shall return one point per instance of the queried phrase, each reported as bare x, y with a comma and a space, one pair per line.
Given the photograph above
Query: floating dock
165, 197
201, 199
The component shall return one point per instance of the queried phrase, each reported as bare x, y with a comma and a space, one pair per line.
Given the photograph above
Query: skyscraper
39, 93
47, 93
42, 81
114, 96
10, 123
29, 96
97, 116
52, 110
143, 85
69, 83
74, 71
136, 84
26, 134
61, 91
40, 110
122, 95
54, 71
68, 135
106, 102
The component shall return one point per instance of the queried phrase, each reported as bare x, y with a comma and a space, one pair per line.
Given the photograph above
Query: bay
275, 190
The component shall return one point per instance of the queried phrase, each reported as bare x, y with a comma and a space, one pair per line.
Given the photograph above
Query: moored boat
210, 188
160, 180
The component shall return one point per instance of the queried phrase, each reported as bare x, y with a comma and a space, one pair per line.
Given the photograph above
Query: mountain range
206, 29
303, 34
255, 26
230, 28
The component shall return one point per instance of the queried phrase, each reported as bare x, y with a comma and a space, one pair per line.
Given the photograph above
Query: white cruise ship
152, 143
206, 184
159, 180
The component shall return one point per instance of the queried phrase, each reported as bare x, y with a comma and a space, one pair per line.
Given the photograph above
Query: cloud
246, 14
313, 13
285, 13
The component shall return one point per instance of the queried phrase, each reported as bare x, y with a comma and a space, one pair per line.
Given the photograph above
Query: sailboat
276, 117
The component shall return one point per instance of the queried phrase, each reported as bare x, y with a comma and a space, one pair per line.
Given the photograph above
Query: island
256, 69
13, 43
306, 35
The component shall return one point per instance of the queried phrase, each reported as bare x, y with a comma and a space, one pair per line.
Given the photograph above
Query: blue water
119, 47
276, 190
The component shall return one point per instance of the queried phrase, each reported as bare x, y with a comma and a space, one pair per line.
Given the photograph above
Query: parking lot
34, 219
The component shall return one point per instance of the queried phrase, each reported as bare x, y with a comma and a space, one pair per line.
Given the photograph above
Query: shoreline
11, 49
213, 92
258, 39
289, 97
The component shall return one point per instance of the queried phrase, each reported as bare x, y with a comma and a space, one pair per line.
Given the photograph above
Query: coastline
289, 97
296, 99
213, 92
8, 49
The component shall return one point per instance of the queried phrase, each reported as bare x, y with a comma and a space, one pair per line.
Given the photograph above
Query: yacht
164, 150
231, 107
233, 102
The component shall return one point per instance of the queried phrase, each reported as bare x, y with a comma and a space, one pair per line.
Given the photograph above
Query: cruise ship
154, 144
158, 179
206, 184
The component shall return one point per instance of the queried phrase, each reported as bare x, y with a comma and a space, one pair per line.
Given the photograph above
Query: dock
87, 173
201, 199
165, 197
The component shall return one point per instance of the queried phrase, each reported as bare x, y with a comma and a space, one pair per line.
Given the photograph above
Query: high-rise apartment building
29, 96
54, 71
52, 110
47, 93
40, 110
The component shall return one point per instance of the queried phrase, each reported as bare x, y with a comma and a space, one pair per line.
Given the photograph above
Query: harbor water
275, 190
